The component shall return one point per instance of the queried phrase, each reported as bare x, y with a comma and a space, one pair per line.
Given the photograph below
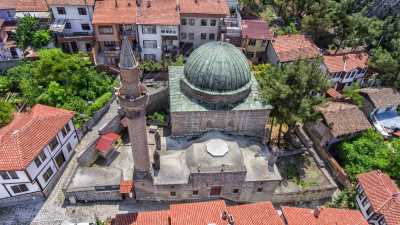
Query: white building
346, 68
378, 198
73, 24
34, 149
158, 32
201, 21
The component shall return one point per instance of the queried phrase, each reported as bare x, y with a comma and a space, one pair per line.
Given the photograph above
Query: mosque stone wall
244, 122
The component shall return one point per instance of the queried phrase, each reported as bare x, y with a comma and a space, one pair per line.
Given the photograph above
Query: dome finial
127, 58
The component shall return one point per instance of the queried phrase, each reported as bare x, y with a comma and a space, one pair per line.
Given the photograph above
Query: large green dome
217, 67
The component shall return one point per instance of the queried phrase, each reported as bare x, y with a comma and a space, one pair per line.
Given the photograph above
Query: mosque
216, 147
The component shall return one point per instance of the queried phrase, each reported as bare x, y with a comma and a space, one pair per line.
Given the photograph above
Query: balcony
75, 36
170, 50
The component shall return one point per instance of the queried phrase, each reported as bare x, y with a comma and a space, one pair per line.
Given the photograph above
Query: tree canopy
29, 33
57, 79
369, 151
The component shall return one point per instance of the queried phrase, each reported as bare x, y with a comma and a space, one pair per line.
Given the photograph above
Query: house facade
256, 37
35, 8
380, 105
378, 198
35, 148
346, 68
7, 10
73, 24
158, 29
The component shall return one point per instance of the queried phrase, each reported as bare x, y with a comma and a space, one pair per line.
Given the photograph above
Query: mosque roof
217, 67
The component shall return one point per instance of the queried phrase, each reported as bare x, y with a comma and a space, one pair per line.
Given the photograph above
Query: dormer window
53, 144
65, 130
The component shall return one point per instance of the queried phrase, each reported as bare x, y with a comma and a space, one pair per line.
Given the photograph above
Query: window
191, 36
82, 11
173, 193
211, 36
203, 22
213, 23
5, 175
149, 57
65, 130
149, 44
61, 10
19, 188
169, 30
191, 22
215, 191
69, 148
37, 162
106, 30
260, 189
252, 42
149, 29
109, 44
183, 21
203, 36
235, 191
85, 26
53, 143
264, 43
46, 176
369, 210
195, 192
183, 36
67, 25
42, 156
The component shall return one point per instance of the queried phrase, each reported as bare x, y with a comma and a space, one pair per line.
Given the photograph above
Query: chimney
116, 3
138, 3
196, 1
317, 211
129, 3
178, 6
224, 215
231, 220
148, 4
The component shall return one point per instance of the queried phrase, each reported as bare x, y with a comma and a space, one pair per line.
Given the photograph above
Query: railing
76, 34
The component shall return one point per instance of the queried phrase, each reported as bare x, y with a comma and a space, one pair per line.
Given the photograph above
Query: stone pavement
54, 212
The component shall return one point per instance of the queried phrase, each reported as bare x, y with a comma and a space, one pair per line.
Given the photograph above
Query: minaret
133, 100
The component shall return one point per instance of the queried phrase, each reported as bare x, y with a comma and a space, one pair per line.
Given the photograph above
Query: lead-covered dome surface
217, 67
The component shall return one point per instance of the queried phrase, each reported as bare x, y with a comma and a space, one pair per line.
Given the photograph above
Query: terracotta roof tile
142, 218
25, 137
71, 2
346, 62
383, 195
207, 7
344, 118
126, 186
115, 12
327, 216
158, 12
382, 97
106, 141
255, 214
198, 213
294, 47
256, 29
333, 93
8, 4
31, 6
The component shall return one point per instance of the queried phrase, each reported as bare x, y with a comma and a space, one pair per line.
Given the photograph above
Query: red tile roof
327, 216
31, 6
142, 218
25, 137
114, 12
346, 62
294, 47
383, 195
256, 29
203, 213
8, 4
126, 186
204, 7
158, 12
333, 93
106, 141
71, 2
255, 214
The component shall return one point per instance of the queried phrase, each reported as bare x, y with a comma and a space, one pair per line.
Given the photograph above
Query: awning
39, 15
105, 142
58, 25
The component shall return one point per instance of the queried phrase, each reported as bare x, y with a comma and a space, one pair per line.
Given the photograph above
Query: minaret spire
133, 99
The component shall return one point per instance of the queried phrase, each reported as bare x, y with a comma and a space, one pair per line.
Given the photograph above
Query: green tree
28, 33
346, 199
6, 112
294, 90
353, 93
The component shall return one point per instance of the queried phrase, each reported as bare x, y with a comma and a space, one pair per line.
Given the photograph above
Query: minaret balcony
135, 104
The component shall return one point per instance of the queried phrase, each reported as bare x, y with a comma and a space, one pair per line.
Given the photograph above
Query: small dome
217, 67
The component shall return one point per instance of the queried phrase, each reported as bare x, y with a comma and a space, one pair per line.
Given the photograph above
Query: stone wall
92, 195
305, 196
158, 100
243, 122
22, 199
89, 156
